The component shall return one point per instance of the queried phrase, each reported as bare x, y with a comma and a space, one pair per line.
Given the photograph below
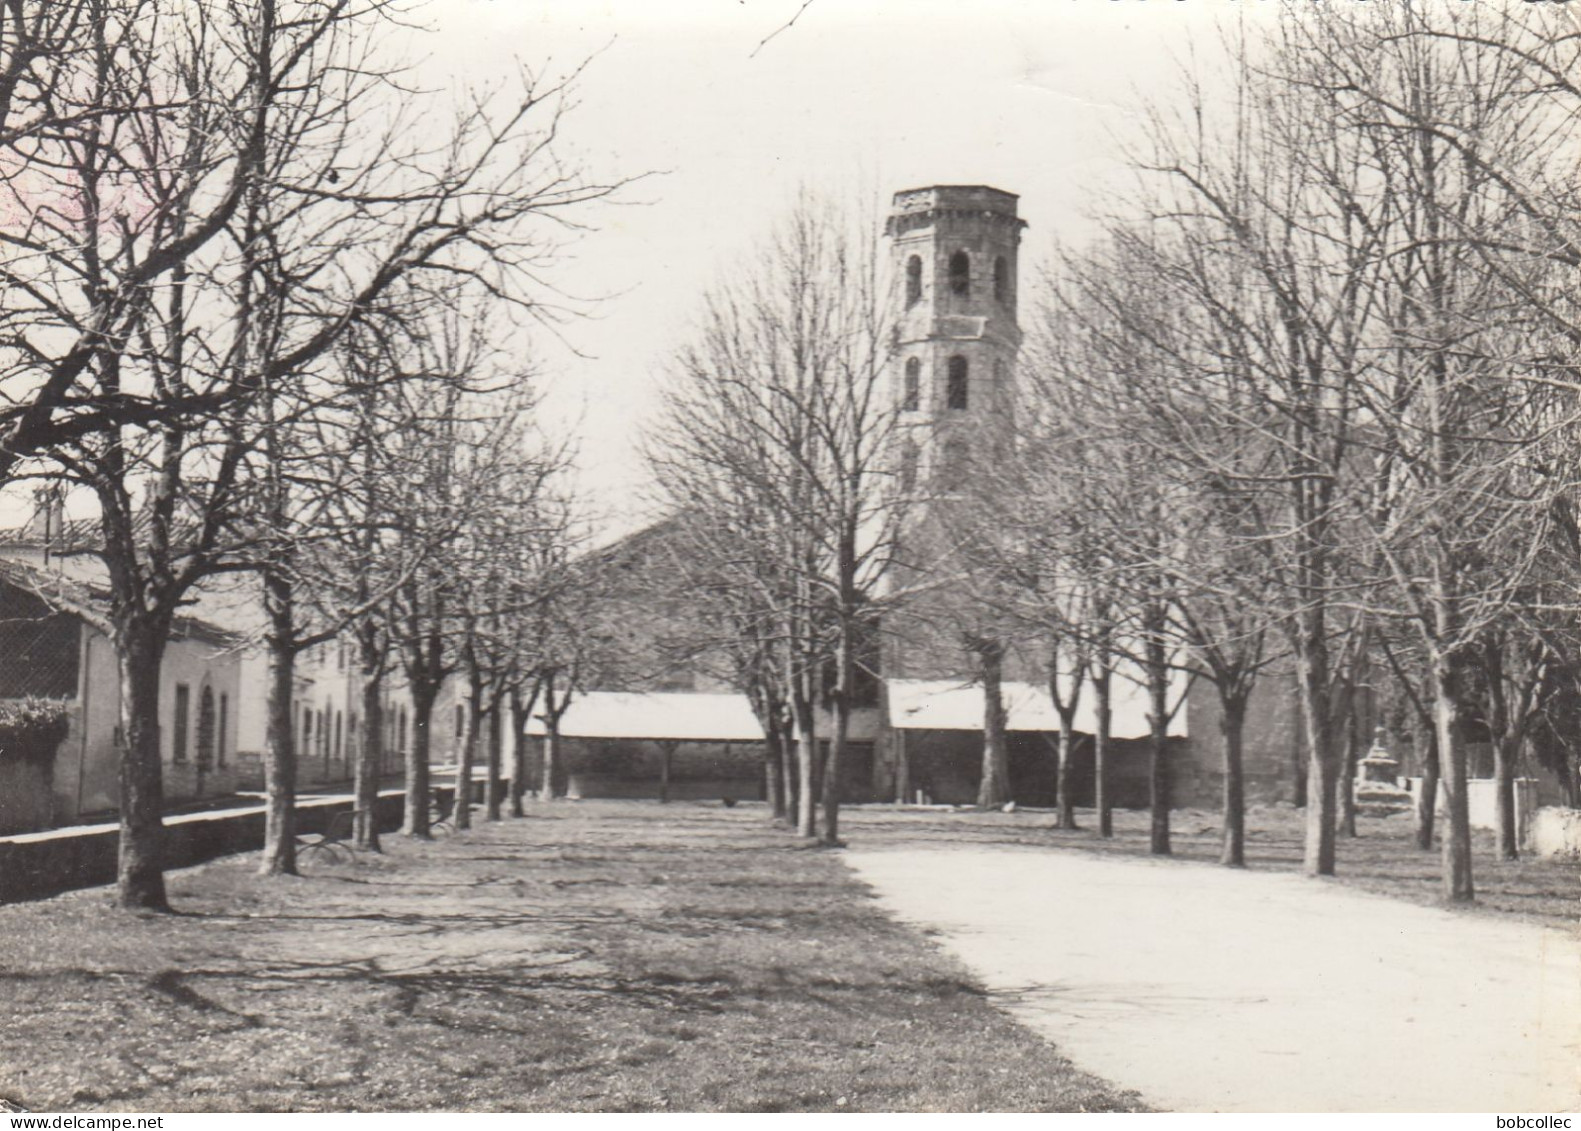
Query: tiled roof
684, 716
82, 588
944, 704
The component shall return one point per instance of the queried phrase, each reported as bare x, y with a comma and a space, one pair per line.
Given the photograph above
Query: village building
48, 651
326, 699
916, 731
673, 745
213, 686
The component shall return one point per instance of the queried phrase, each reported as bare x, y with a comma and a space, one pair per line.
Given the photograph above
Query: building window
339, 722
307, 732
206, 722
908, 466
461, 719
911, 391
179, 731
1001, 279
914, 280
961, 273
400, 731
955, 387
219, 735
323, 734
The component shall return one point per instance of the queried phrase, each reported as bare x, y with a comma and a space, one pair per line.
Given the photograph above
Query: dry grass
1383, 859
611, 956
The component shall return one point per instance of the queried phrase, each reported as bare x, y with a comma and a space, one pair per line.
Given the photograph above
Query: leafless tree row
1307, 403
1316, 384
246, 277
776, 452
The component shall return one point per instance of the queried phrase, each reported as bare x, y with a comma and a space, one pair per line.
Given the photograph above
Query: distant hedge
31, 729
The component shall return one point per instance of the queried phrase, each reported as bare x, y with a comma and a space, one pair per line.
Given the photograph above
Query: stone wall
1555, 831
1482, 800
35, 865
25, 795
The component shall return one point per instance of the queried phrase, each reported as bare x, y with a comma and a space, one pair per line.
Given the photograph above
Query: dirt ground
597, 956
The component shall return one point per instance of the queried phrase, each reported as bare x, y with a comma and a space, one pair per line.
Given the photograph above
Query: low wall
1482, 800
1555, 831
35, 865
26, 795
588, 786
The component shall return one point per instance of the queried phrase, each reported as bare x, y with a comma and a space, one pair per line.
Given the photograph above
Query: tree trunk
1322, 771
1507, 831
833, 777
495, 785
773, 766
519, 716
418, 789
551, 742
1158, 770
279, 760
1458, 887
787, 749
993, 791
553, 773
806, 753
1321, 826
1064, 758
370, 756
1427, 799
902, 767
1232, 725
1100, 755
461, 815
666, 755
1347, 784
140, 875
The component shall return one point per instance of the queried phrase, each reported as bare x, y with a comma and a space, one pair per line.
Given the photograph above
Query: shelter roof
946, 704
684, 716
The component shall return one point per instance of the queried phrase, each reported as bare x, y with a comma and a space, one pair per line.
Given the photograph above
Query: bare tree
786, 401
214, 227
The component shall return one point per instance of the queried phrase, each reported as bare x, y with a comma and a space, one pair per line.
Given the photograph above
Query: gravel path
1213, 990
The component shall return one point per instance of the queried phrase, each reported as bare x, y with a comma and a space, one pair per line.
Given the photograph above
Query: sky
855, 100
725, 110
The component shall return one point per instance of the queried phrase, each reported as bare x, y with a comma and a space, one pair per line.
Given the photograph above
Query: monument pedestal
1378, 789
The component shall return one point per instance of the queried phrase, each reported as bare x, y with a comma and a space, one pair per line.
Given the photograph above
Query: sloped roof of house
947, 704
75, 594
684, 716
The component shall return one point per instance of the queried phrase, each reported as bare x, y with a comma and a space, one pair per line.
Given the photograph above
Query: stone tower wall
945, 445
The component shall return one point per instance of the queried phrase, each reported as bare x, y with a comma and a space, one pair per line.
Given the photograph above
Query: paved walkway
1212, 990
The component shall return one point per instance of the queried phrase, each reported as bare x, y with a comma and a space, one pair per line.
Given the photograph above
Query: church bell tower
955, 250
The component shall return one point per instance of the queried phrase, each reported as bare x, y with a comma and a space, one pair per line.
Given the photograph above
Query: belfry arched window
955, 383
1001, 279
911, 386
960, 273
914, 280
